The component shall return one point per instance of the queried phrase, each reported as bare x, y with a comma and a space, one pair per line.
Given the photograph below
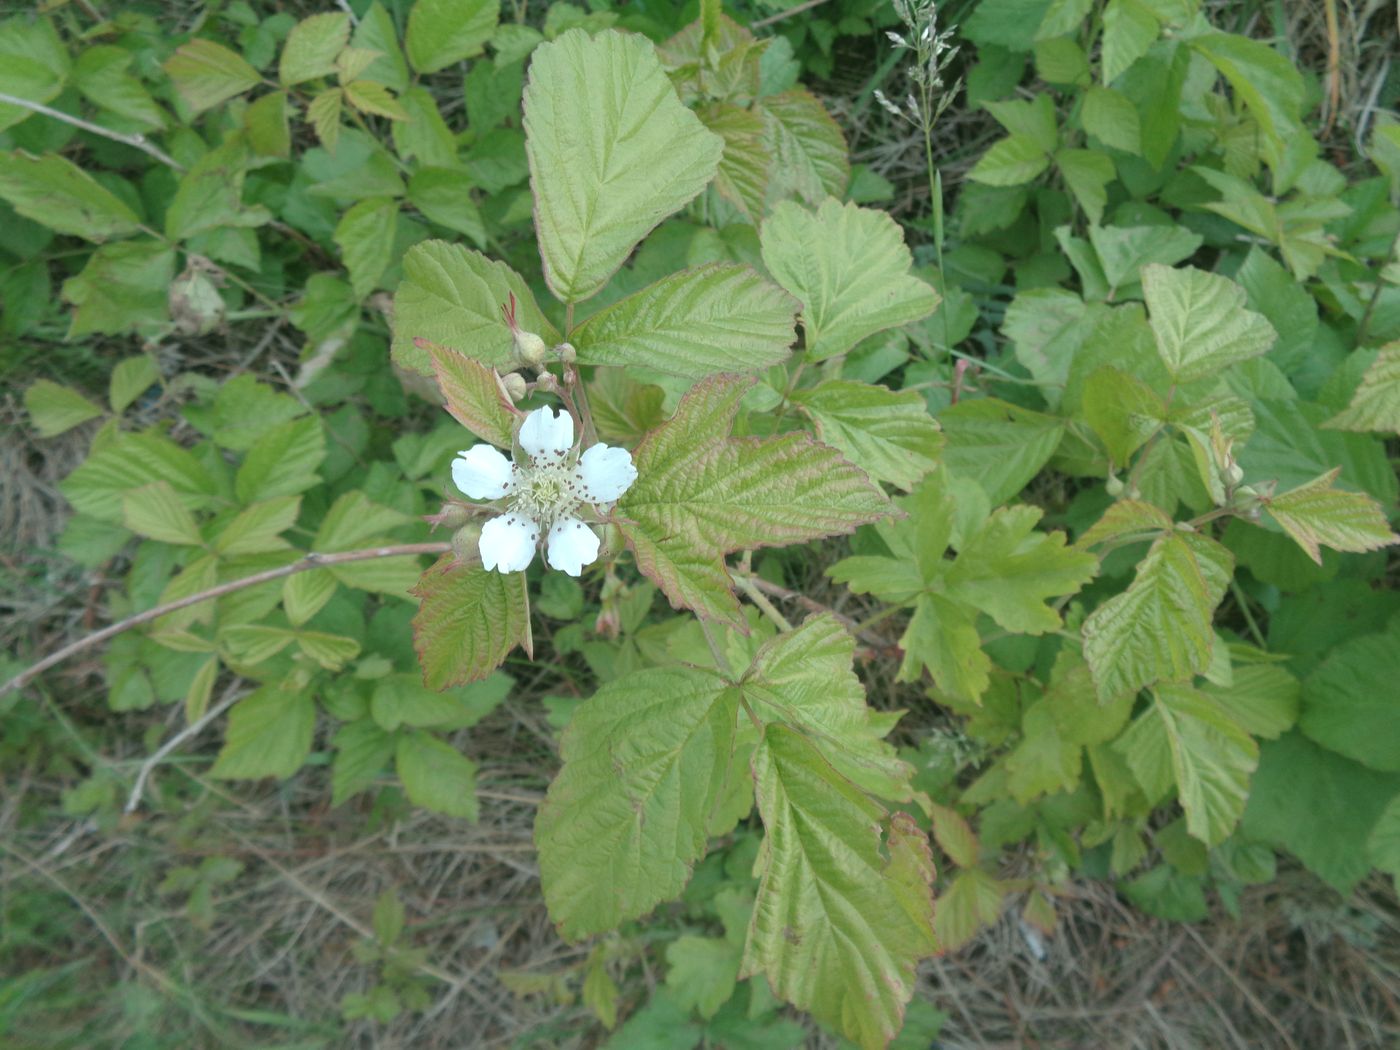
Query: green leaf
130, 379
99, 484
33, 64
1319, 806
700, 495
436, 775
265, 121
444, 196
1123, 411
1316, 514
331, 651
1008, 570
269, 735
376, 32
1033, 120
206, 73
744, 168
1212, 760
1111, 117
441, 32
156, 512
1012, 161
972, 900
612, 152
889, 435
55, 409
1063, 17
942, 636
1159, 629
304, 594
362, 750
703, 972
312, 46
56, 193
999, 445
1267, 83
1200, 321
1124, 250
1383, 846
323, 112
716, 318
1349, 700
475, 396
1376, 403
401, 699
625, 820
123, 286
1087, 173
210, 194
257, 528
840, 923
1262, 698
353, 521
809, 158
1290, 447
467, 622
365, 236
1129, 28
370, 97
849, 267
283, 461
101, 75
426, 138
454, 296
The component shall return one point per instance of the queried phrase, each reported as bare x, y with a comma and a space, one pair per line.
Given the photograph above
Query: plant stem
766, 607
136, 140
721, 661
1243, 603
312, 560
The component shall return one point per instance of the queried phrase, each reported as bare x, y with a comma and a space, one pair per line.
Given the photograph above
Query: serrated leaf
1159, 629
954, 835
257, 528
1212, 760
999, 445
130, 379
56, 193
1063, 17
369, 96
101, 75
1087, 173
839, 923
849, 267
354, 520
809, 158
436, 776
283, 461
1349, 700
942, 637
700, 495
1008, 570
401, 699
97, 487
1043, 763
269, 132
467, 622
441, 32
123, 286
1124, 250
1262, 698
612, 152
1129, 28
702, 972
304, 594
201, 688
331, 651
323, 112
33, 64
454, 296
744, 168
55, 409
1268, 84
1012, 161
694, 323
625, 819
365, 236
889, 435
362, 750
1111, 117
157, 512
1126, 517
1200, 321
1376, 403
475, 396
1318, 515
206, 73
972, 900
1122, 410
312, 46
444, 196
1383, 845
269, 735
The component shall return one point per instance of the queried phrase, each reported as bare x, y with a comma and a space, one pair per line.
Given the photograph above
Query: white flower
543, 491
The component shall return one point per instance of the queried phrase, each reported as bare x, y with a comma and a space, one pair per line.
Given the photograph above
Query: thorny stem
312, 560
766, 607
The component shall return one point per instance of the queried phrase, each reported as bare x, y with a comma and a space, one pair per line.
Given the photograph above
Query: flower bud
1114, 486
567, 353
1233, 474
515, 384
452, 516
530, 349
466, 544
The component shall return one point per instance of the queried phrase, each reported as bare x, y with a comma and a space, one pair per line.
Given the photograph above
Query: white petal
547, 436
572, 545
483, 473
508, 543
605, 473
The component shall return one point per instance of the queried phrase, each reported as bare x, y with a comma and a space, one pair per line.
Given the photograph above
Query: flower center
545, 492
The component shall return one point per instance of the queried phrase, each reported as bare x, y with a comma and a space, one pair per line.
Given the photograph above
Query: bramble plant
1088, 457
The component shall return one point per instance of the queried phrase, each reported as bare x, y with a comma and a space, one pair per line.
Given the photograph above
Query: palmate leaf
849, 267
694, 323
700, 495
838, 925
808, 150
468, 621
612, 152
1200, 321
888, 434
1159, 629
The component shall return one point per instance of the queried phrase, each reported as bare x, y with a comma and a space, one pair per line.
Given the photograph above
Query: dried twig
136, 139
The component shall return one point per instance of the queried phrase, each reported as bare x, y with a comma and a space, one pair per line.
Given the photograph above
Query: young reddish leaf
1316, 515
468, 621
475, 396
